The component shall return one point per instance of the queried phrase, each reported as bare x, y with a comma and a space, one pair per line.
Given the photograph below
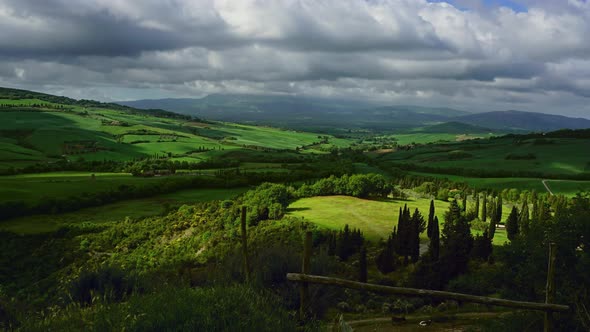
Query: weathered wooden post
305, 269
246, 266
550, 288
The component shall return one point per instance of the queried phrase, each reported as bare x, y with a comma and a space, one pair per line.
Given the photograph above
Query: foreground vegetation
112, 218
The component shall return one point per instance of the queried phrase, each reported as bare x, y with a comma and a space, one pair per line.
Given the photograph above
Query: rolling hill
40, 128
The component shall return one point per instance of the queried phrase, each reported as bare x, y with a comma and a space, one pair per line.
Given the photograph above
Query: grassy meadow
376, 218
568, 188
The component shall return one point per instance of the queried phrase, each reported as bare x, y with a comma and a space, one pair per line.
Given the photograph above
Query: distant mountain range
524, 121
328, 114
302, 112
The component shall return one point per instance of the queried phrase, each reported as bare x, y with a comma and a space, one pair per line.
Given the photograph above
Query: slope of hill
37, 98
524, 121
43, 128
552, 155
302, 112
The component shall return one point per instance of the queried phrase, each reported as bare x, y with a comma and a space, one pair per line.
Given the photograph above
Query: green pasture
376, 218
559, 156
116, 212
568, 188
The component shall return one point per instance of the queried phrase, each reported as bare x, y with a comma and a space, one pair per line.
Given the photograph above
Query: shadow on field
298, 209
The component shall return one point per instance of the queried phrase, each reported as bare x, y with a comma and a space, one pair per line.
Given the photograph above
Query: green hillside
558, 156
38, 128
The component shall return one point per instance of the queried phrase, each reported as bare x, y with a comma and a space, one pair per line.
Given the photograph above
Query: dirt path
547, 187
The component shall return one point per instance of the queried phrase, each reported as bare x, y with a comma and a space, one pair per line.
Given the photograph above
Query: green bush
232, 308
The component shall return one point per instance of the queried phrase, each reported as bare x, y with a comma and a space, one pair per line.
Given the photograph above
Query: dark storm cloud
394, 51
56, 28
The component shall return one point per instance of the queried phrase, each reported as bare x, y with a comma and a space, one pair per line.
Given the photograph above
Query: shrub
232, 308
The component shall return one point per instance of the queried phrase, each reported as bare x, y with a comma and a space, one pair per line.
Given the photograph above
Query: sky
479, 55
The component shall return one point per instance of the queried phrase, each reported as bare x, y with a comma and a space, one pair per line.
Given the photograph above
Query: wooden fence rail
305, 279
312, 279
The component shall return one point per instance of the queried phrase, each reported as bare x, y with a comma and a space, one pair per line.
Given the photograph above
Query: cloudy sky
470, 54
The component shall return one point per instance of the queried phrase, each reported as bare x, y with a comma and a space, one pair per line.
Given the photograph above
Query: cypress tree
535, 212
484, 211
344, 243
386, 258
332, 244
457, 241
499, 210
512, 228
363, 265
477, 205
430, 219
434, 246
414, 243
523, 220
464, 202
492, 229
482, 246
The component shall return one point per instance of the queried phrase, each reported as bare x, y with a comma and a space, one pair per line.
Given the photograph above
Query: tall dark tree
457, 241
386, 258
512, 228
363, 265
332, 244
477, 205
484, 209
499, 204
404, 234
344, 243
482, 247
524, 218
431, 215
417, 224
434, 246
464, 202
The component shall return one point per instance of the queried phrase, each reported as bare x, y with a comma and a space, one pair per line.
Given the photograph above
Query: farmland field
112, 213
31, 188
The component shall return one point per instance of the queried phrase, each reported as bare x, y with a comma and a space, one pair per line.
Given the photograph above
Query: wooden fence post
246, 266
305, 269
550, 288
